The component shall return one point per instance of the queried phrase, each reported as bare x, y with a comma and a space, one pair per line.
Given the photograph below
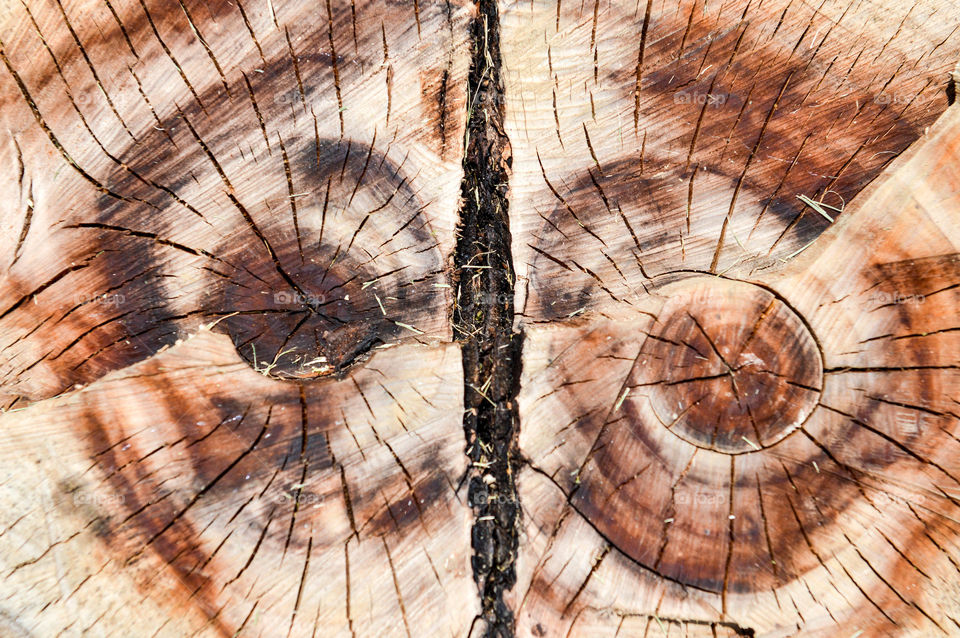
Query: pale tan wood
231, 404
231, 401
350, 146
741, 107
176, 497
827, 504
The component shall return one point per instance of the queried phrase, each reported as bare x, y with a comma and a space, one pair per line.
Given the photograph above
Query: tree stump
729, 425
233, 404
499, 319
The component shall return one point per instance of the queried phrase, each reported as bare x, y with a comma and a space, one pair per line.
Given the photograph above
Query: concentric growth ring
742, 370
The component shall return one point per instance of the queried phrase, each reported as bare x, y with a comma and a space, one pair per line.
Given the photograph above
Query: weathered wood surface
233, 403
282, 176
188, 494
728, 429
264, 169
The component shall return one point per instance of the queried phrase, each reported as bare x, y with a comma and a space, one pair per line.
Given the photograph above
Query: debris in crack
483, 319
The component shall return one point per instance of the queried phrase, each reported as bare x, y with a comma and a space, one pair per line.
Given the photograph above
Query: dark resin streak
483, 320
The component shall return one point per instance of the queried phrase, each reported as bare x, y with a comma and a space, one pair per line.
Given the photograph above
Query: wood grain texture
269, 268
188, 163
232, 404
189, 495
654, 136
738, 414
844, 516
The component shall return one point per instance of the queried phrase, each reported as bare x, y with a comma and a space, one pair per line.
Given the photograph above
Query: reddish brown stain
438, 94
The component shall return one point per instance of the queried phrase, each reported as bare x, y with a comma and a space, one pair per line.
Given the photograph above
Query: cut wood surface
439, 318
170, 165
194, 193
731, 426
189, 495
655, 136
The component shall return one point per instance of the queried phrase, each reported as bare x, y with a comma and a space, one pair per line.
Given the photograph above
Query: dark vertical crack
483, 322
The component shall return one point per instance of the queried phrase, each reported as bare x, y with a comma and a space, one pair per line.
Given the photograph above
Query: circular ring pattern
738, 368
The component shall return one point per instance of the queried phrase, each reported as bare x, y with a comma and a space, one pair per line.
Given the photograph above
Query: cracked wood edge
189, 495
166, 167
654, 136
283, 175
834, 512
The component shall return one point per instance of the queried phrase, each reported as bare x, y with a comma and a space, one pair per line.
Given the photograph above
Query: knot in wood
738, 368
338, 261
